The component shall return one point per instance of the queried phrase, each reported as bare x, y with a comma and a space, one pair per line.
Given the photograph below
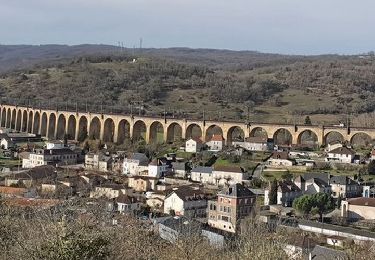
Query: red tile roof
12, 190
217, 138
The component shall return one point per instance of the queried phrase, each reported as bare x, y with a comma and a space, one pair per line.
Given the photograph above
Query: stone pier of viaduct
55, 124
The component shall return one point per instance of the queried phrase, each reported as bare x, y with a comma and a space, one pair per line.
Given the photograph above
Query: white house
358, 208
287, 191
341, 154
312, 185
127, 204
99, 162
186, 201
280, 159
202, 174
55, 157
157, 168
216, 143
193, 145
179, 169
135, 164
256, 144
109, 191
219, 175
228, 175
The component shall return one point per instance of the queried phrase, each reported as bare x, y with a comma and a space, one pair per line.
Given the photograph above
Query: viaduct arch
118, 128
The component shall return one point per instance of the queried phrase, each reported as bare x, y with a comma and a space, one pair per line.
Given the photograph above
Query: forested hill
226, 84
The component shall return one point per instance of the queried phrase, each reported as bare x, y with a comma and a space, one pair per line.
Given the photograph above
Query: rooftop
217, 138
237, 190
342, 180
183, 225
342, 150
188, 193
280, 155
36, 173
202, 169
369, 202
225, 168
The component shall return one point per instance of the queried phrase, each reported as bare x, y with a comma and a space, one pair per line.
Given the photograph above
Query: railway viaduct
55, 124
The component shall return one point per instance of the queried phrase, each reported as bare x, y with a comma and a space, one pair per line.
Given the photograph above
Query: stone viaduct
55, 124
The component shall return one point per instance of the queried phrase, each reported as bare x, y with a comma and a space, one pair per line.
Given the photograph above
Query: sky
276, 26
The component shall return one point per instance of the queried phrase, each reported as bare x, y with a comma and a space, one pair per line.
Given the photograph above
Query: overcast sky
278, 26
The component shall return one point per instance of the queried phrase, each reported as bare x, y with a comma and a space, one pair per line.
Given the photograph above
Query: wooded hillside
226, 84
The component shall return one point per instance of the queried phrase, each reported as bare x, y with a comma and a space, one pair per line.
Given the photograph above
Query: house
172, 228
312, 185
287, 191
280, 159
193, 145
142, 183
232, 204
219, 175
158, 167
228, 175
127, 204
135, 164
179, 169
55, 157
32, 177
341, 154
98, 161
256, 143
333, 145
109, 191
155, 200
186, 201
202, 174
216, 143
358, 208
344, 187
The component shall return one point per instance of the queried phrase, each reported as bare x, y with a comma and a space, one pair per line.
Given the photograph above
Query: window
225, 218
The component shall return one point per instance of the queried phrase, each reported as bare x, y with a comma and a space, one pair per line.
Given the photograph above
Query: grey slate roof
323, 176
319, 182
183, 225
139, 157
202, 169
188, 193
237, 190
36, 173
342, 180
